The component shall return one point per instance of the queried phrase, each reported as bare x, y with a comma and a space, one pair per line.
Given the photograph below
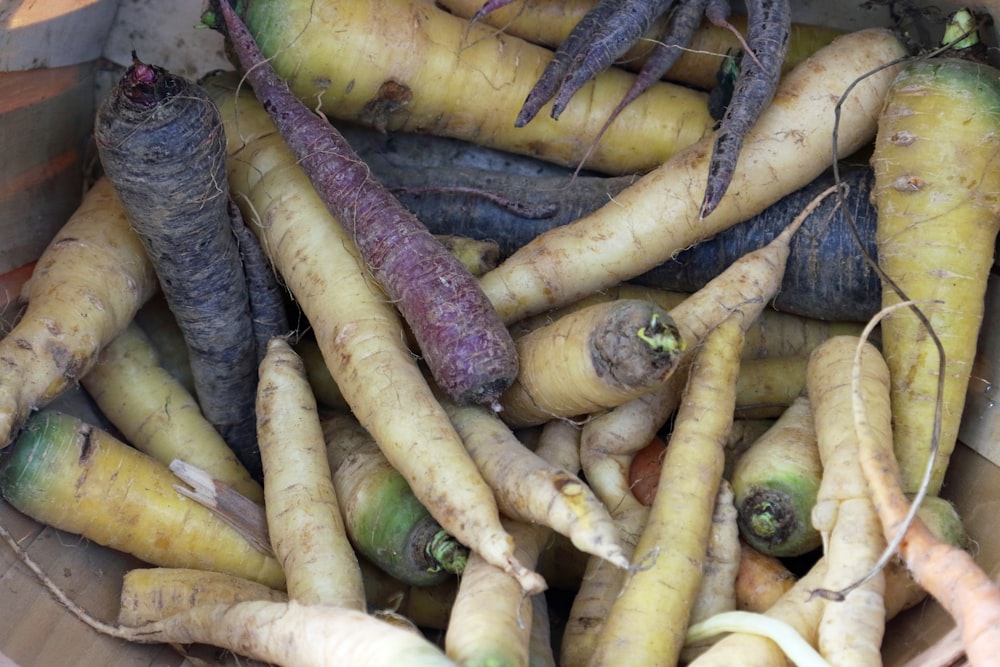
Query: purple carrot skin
490, 6
267, 297
161, 144
769, 25
463, 341
684, 22
614, 36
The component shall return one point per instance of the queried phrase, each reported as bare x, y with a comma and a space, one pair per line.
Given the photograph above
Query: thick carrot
397, 85
360, 335
463, 342
649, 618
776, 481
384, 519
607, 353
950, 574
157, 415
161, 143
936, 190
303, 512
85, 289
658, 215
71, 475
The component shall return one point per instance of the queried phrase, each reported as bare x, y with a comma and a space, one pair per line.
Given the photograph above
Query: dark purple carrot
268, 310
603, 35
465, 344
768, 28
684, 21
161, 143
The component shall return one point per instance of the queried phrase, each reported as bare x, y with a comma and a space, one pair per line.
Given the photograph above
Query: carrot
944, 570
274, 632
760, 580
796, 607
71, 475
935, 191
463, 342
491, 620
769, 23
644, 470
603, 35
360, 335
670, 553
427, 606
85, 289
160, 141
658, 215
608, 353
384, 519
391, 89
547, 23
767, 386
157, 415
530, 489
851, 629
11, 284
717, 591
775, 482
151, 594
303, 511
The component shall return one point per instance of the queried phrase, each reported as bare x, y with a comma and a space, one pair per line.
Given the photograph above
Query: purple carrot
465, 344
768, 28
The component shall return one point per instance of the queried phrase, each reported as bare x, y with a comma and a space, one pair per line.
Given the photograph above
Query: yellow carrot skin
156, 414
68, 474
360, 335
154, 593
648, 621
303, 513
658, 215
86, 287
432, 72
608, 353
937, 190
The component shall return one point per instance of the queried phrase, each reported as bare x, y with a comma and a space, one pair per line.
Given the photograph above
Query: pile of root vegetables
336, 439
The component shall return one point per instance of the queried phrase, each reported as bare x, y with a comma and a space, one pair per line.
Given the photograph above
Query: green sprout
660, 337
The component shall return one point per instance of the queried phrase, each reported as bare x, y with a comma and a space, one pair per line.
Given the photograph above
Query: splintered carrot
303, 513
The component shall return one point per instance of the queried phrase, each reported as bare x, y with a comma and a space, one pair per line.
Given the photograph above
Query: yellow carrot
303, 513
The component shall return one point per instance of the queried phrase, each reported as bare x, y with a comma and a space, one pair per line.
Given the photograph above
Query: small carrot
530, 489
157, 415
761, 580
769, 24
461, 338
303, 511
